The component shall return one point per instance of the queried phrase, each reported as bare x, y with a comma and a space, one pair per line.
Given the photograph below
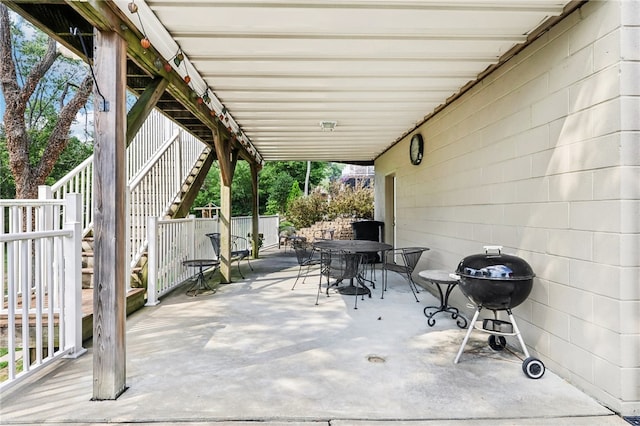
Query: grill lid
495, 266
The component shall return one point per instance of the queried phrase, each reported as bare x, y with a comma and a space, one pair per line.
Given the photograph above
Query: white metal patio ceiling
376, 67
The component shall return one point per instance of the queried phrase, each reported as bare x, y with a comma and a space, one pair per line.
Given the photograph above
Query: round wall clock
416, 149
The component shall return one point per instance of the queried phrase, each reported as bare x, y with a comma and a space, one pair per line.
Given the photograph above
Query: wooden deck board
135, 300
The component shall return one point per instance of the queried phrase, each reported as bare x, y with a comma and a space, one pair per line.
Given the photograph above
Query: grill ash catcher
498, 282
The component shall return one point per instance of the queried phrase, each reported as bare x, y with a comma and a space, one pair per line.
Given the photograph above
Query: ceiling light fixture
328, 126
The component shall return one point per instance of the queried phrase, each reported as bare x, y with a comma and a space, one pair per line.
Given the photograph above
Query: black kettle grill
498, 282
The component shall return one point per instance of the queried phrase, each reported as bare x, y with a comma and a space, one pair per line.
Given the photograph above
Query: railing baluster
31, 266
11, 304
50, 293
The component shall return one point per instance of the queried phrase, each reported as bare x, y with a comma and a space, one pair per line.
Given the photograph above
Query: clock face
416, 149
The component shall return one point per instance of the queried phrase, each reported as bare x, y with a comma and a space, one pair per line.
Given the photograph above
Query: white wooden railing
158, 184
40, 254
267, 226
41, 284
156, 130
159, 159
173, 241
78, 181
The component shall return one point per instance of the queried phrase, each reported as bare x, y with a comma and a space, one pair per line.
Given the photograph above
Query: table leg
200, 285
444, 307
352, 289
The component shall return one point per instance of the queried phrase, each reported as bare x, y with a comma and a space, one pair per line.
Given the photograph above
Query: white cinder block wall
543, 158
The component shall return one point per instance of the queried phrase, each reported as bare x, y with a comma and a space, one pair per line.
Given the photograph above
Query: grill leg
517, 331
466, 337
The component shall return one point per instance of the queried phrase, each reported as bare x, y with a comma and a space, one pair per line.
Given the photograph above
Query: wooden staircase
179, 208
190, 187
136, 280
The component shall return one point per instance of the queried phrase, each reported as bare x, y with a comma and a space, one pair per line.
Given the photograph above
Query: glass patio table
352, 246
200, 285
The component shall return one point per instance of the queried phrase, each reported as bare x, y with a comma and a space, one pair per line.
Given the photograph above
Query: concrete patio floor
255, 351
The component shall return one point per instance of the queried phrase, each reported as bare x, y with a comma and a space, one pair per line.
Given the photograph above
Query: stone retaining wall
340, 227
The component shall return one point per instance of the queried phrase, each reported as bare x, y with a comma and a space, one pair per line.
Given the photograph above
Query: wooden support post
224, 226
109, 310
255, 212
227, 159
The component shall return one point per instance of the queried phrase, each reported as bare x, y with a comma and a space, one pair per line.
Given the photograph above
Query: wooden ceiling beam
143, 106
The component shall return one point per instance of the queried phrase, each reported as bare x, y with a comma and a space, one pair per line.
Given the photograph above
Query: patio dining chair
307, 257
372, 230
236, 254
403, 261
343, 266
323, 234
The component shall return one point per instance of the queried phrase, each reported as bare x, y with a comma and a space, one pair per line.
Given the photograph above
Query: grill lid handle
493, 248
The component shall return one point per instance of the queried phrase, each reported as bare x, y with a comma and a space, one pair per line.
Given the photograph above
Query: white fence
41, 245
40, 280
159, 159
267, 226
78, 181
157, 185
40, 274
173, 241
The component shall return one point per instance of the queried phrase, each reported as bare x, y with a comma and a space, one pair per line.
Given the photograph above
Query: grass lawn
4, 365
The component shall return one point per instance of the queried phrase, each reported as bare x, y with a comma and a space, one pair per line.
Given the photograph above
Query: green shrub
285, 224
350, 201
343, 201
305, 211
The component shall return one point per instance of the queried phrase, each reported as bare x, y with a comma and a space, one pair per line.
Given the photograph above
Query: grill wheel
533, 368
497, 343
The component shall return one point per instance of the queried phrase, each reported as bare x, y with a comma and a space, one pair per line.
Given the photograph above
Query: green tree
333, 173
241, 193
241, 196
277, 178
294, 193
305, 211
7, 185
43, 92
75, 153
279, 184
276, 192
210, 189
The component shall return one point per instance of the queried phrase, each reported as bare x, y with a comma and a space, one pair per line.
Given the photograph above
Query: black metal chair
402, 261
284, 236
371, 230
307, 257
323, 234
342, 266
236, 254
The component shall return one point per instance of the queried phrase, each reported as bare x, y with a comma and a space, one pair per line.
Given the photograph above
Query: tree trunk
27, 176
306, 180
